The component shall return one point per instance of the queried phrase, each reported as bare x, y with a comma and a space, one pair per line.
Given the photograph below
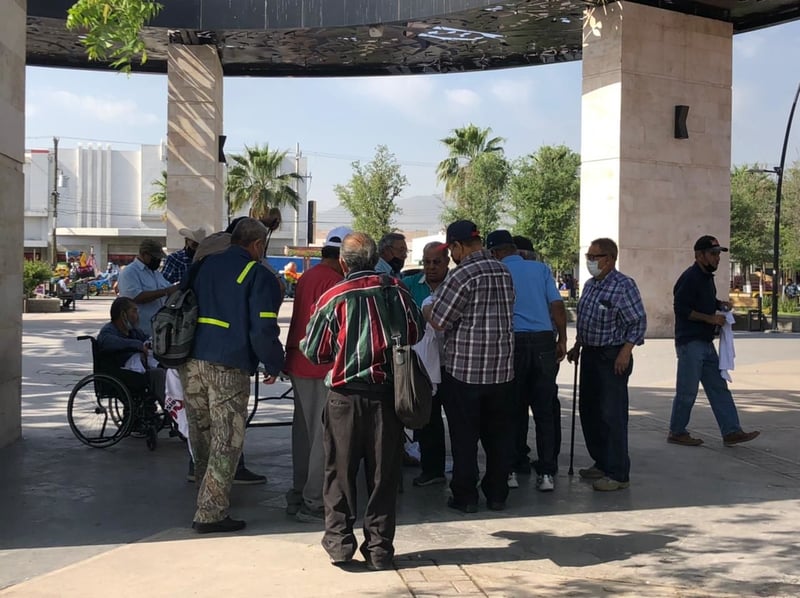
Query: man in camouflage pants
237, 328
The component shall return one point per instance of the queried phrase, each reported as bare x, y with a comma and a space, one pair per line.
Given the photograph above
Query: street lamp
776, 249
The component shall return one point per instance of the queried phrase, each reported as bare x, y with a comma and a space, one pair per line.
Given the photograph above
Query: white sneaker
545, 483
512, 481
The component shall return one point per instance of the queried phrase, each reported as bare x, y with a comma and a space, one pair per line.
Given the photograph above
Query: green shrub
34, 273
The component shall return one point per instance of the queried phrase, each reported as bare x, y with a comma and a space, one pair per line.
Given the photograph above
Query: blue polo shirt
418, 287
535, 290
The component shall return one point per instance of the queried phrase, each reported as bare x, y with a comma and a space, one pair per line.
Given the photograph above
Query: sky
339, 120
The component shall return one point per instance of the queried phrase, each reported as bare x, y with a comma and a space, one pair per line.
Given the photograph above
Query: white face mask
593, 268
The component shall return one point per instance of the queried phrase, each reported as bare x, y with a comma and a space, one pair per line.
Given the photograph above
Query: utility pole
54, 195
295, 239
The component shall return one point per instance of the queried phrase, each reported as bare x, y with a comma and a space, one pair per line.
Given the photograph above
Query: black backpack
175, 323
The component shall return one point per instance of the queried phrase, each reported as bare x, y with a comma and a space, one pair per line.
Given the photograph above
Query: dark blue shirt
694, 291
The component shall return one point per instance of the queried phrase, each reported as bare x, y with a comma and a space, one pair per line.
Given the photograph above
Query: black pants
360, 427
431, 439
479, 412
535, 371
604, 410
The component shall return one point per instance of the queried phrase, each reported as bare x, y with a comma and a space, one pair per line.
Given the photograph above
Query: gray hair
436, 246
359, 252
388, 240
248, 230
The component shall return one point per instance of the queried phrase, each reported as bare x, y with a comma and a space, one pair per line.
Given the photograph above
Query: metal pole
54, 254
777, 232
296, 228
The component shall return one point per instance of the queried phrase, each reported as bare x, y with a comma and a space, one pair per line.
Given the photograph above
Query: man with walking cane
611, 321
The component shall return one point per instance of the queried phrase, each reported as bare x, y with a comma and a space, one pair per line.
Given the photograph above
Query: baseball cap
461, 230
523, 243
193, 235
152, 247
498, 237
707, 242
336, 236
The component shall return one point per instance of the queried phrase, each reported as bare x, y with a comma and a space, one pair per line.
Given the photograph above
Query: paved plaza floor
705, 521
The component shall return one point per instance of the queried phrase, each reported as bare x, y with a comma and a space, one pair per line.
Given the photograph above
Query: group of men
500, 324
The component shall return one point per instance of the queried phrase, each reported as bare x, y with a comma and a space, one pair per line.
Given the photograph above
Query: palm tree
255, 179
158, 199
464, 145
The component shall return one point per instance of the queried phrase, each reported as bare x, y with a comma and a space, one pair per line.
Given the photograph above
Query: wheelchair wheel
99, 411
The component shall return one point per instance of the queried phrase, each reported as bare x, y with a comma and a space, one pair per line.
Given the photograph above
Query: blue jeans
698, 362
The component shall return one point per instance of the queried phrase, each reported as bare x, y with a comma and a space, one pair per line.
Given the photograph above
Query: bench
752, 305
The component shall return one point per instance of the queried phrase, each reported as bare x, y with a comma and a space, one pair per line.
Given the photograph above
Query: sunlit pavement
706, 521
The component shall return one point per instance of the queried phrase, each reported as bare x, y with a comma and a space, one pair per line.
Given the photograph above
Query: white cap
193, 235
335, 237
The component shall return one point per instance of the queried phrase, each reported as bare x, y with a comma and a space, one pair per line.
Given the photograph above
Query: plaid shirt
350, 327
475, 306
610, 312
176, 266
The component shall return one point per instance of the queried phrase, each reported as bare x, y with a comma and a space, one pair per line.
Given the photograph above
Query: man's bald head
359, 252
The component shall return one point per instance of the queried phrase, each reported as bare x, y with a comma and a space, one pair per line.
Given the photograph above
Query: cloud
512, 91
462, 98
408, 95
107, 110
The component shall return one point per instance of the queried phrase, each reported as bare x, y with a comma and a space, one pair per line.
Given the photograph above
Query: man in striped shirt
350, 327
475, 307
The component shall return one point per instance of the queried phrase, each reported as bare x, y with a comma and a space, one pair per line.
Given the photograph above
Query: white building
103, 202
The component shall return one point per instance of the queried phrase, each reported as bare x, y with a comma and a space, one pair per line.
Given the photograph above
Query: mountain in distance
420, 215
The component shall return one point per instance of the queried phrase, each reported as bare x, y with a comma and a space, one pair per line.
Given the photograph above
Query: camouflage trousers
216, 407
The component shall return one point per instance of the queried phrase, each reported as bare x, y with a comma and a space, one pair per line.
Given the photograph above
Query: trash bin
755, 318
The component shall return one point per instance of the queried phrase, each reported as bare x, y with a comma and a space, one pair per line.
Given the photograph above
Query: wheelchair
102, 410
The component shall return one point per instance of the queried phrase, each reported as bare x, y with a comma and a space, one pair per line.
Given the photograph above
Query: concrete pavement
706, 521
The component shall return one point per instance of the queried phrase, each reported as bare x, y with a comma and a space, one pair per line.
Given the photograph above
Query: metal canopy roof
370, 37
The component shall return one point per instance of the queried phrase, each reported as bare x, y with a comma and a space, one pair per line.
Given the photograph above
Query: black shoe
374, 565
463, 507
245, 477
496, 505
226, 525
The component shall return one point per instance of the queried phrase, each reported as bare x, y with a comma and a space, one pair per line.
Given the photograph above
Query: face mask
711, 268
154, 263
396, 263
127, 322
593, 268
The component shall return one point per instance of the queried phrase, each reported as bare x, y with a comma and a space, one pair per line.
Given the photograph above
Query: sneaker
685, 439
427, 479
609, 485
739, 436
226, 525
512, 480
306, 515
245, 477
545, 483
591, 473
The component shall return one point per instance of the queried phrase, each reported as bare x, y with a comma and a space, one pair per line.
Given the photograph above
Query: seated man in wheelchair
124, 352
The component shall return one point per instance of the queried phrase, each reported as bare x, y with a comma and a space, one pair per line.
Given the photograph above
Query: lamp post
776, 248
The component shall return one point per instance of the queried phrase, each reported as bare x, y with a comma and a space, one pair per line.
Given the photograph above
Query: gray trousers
308, 453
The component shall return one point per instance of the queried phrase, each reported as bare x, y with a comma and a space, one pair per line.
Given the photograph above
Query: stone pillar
652, 193
12, 201
194, 124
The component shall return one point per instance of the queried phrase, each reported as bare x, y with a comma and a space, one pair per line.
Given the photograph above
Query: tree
111, 29
256, 179
544, 197
790, 218
158, 199
464, 145
752, 212
481, 193
371, 192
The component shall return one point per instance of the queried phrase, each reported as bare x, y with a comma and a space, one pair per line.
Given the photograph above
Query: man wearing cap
538, 308
178, 262
475, 308
304, 499
142, 282
611, 322
696, 321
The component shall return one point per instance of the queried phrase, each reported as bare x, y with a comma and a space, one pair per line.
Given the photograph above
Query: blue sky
337, 121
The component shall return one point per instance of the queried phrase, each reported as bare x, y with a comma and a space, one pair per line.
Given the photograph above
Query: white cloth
135, 363
174, 403
727, 353
428, 350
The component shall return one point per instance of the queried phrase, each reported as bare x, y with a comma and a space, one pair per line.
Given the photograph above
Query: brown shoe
739, 436
685, 439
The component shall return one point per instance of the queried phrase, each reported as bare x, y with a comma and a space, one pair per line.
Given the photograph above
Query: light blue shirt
535, 290
383, 267
137, 277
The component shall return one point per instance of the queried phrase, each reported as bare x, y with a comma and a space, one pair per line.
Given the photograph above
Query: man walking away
351, 328
696, 323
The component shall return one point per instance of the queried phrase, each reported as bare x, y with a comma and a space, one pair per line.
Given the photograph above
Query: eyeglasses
594, 256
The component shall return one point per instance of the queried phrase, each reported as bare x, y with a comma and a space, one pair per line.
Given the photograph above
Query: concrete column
648, 191
12, 201
194, 124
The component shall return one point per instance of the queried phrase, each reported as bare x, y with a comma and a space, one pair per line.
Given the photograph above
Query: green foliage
34, 273
481, 193
111, 29
371, 192
158, 200
544, 197
464, 145
790, 218
752, 215
256, 180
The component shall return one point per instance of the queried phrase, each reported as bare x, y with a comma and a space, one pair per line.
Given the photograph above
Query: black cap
461, 230
498, 237
523, 243
707, 242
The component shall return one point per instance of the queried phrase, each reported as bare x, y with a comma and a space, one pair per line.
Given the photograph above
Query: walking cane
572, 438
